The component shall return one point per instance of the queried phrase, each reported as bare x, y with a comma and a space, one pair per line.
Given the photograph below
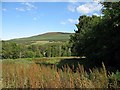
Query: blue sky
24, 19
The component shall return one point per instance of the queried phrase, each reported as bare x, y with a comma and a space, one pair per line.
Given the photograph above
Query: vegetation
17, 74
59, 64
14, 50
50, 37
98, 38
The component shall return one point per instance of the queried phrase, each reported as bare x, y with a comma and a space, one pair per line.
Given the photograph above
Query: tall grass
18, 75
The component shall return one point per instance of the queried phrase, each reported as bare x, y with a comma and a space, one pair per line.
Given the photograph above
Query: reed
39, 76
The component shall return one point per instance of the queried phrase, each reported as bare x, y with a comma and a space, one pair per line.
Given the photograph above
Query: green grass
49, 37
40, 42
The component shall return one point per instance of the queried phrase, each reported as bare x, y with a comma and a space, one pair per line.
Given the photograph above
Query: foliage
98, 38
81, 41
114, 80
14, 50
10, 50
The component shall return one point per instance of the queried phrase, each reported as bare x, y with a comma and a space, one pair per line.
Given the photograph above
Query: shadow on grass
72, 63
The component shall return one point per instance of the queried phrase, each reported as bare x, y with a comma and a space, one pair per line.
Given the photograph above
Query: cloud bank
89, 8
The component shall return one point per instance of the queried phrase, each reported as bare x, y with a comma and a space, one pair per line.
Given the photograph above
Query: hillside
50, 36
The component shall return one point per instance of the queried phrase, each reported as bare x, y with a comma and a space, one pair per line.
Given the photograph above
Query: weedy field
31, 74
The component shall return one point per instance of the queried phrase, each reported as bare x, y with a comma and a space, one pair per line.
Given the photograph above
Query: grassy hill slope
51, 36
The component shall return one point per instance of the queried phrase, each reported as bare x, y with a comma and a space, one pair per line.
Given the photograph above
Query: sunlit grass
22, 74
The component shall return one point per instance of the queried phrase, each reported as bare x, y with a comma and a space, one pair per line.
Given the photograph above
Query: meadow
51, 73
47, 60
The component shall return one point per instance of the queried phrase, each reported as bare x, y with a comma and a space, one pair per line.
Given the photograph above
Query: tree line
14, 50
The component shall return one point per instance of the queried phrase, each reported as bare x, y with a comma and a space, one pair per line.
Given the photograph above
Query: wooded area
98, 38
13, 50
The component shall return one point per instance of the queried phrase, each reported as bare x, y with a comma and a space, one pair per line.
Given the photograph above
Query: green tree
98, 38
83, 39
111, 25
10, 50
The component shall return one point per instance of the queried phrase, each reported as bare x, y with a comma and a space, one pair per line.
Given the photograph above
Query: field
55, 73
87, 58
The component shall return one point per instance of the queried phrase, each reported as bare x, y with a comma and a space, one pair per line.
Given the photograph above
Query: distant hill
50, 36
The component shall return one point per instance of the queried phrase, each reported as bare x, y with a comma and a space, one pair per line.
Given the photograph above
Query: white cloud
88, 8
63, 23
73, 1
71, 8
4, 9
96, 14
20, 9
26, 7
73, 20
98, 0
69, 21
47, 0
57, 0
29, 6
83, 9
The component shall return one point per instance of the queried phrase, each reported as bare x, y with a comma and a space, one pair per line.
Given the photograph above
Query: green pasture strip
20, 60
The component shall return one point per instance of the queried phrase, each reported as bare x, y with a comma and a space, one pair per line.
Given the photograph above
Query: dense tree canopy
14, 50
98, 38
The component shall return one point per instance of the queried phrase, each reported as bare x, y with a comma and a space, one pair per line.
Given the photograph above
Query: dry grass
35, 76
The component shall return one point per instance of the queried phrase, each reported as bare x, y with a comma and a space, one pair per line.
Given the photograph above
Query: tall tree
98, 38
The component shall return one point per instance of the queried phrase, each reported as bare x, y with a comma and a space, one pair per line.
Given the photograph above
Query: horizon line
33, 35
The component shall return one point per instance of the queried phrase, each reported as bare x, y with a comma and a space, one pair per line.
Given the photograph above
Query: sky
25, 19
